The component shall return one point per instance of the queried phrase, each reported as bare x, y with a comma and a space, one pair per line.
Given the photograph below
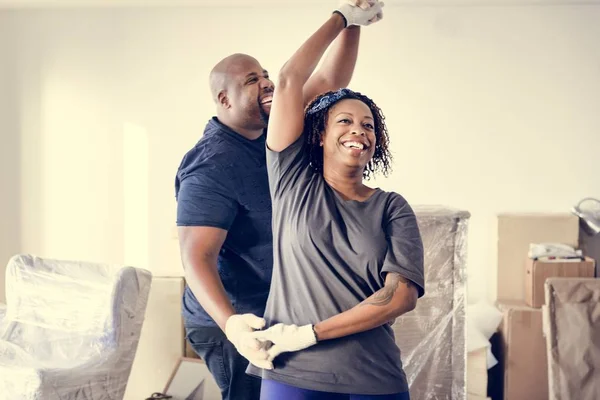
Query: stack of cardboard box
572, 329
521, 294
162, 341
477, 378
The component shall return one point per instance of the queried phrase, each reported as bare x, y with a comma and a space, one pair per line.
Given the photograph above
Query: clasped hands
361, 12
260, 347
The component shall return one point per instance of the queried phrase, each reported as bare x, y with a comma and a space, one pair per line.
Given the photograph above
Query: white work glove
239, 329
287, 338
364, 4
361, 12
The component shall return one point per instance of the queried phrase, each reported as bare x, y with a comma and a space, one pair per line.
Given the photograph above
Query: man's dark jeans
225, 364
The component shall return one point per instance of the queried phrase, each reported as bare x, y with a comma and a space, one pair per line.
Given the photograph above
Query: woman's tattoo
385, 295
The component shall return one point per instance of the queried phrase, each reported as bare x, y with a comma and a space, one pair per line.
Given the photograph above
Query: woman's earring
321, 144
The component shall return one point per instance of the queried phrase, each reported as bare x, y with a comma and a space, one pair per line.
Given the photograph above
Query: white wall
490, 109
9, 154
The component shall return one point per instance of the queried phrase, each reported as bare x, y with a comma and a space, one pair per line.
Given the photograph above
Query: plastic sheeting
2, 316
588, 211
71, 329
572, 328
432, 336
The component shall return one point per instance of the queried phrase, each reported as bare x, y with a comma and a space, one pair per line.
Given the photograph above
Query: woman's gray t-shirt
330, 254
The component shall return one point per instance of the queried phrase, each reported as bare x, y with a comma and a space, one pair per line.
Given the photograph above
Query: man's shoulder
211, 151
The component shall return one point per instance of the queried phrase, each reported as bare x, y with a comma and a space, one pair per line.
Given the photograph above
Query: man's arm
205, 210
200, 246
338, 65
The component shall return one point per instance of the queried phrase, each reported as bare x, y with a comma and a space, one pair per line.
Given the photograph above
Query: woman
347, 258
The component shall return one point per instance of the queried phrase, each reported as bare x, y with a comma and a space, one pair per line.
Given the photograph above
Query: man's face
250, 93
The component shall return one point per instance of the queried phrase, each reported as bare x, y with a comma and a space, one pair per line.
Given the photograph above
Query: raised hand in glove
239, 329
361, 12
286, 338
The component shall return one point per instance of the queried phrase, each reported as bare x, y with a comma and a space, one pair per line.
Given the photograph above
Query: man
224, 211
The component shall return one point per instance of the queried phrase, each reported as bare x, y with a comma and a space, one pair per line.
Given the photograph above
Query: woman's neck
349, 185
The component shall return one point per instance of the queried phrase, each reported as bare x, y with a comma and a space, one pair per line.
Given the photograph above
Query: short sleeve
285, 167
206, 198
405, 246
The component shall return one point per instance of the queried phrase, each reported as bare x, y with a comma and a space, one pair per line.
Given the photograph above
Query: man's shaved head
222, 73
243, 92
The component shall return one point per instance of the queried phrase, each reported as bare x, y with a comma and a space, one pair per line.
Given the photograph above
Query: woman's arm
403, 284
286, 120
398, 296
338, 65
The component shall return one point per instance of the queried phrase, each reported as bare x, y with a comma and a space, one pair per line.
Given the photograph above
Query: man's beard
264, 117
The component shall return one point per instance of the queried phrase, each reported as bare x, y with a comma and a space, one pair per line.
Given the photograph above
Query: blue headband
328, 100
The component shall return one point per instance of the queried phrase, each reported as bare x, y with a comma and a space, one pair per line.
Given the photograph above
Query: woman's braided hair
315, 120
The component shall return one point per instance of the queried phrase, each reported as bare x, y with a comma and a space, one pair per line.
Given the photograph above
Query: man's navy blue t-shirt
222, 182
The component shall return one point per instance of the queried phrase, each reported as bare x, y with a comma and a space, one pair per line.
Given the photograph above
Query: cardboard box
515, 233
523, 353
161, 344
572, 329
538, 271
191, 380
477, 374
